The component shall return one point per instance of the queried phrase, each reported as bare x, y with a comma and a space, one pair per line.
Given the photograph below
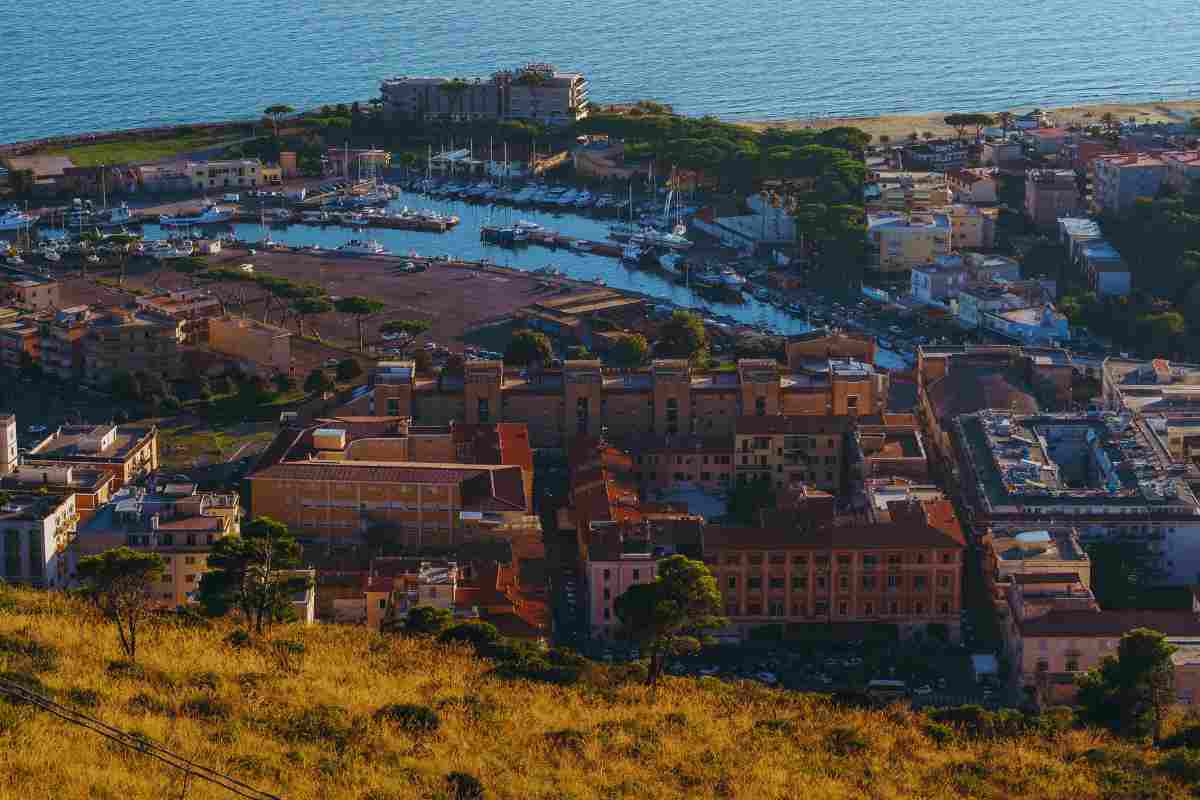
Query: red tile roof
1070, 622
935, 526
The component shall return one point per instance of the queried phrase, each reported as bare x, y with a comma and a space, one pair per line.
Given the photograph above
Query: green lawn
128, 151
183, 446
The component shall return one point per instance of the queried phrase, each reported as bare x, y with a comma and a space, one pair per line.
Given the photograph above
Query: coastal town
485, 359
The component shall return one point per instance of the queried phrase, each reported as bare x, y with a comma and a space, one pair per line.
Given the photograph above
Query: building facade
264, 346
1119, 179
242, 173
538, 92
899, 242
1049, 195
122, 340
35, 530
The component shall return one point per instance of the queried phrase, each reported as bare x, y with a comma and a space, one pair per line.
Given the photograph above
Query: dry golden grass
313, 734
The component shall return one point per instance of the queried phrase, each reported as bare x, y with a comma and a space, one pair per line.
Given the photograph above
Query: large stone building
906, 572
1049, 195
35, 529
797, 449
126, 452
537, 92
1109, 476
428, 486
826, 375
122, 340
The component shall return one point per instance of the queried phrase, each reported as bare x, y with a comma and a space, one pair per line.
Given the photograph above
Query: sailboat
623, 231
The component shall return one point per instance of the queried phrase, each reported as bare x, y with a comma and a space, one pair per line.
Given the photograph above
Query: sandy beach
899, 127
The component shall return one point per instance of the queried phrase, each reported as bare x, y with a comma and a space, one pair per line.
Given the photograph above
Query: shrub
464, 786
1184, 737
207, 707
845, 742
324, 723
146, 703
411, 718
566, 739
205, 680
785, 727
84, 698
1183, 765
478, 634
239, 639
938, 733
28, 652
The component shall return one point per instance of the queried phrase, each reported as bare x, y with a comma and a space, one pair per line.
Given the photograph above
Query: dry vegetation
311, 728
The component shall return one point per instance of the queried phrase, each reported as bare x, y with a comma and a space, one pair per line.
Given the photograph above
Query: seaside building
61, 342
1036, 325
972, 185
123, 340
1119, 179
28, 289
1050, 195
900, 242
906, 191
538, 92
1106, 272
936, 284
936, 154
891, 448
1002, 153
1183, 168
978, 298
971, 228
782, 450
241, 173
826, 374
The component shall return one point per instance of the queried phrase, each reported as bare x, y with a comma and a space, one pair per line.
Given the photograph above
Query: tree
125, 386
360, 308
348, 369
630, 350
407, 329
959, 122
670, 615
247, 573
682, 336
528, 347
1005, 118
306, 307
119, 581
318, 382
277, 111
427, 621
1131, 693
747, 499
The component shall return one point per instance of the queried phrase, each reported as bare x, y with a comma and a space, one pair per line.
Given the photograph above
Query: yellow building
971, 227
263, 345
126, 452
900, 242
231, 174
788, 450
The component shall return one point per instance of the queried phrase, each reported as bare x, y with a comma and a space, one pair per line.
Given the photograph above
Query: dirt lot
454, 300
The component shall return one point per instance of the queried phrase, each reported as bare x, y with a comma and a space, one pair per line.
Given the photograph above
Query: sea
73, 67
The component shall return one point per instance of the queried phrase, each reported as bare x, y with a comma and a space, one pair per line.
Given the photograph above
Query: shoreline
896, 126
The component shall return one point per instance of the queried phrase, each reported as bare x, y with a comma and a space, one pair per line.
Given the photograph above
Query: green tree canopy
528, 347
248, 573
348, 369
318, 382
670, 615
427, 621
119, 581
1131, 693
629, 351
306, 307
682, 336
277, 111
407, 329
360, 309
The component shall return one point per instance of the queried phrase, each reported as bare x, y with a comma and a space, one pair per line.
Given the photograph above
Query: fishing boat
363, 247
210, 214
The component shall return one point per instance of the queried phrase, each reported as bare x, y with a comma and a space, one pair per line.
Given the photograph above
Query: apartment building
971, 228
939, 282
906, 191
1183, 169
962, 380
890, 448
176, 521
35, 529
1119, 179
1002, 153
972, 185
825, 374
785, 450
60, 342
131, 341
430, 486
1049, 195
1009, 554
92, 487
20, 341
1109, 476
1106, 271
936, 154
393, 586
126, 452
664, 462
255, 344
900, 242
29, 290
241, 173
191, 308
907, 572
538, 92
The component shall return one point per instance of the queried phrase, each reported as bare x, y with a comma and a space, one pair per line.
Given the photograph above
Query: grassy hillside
310, 729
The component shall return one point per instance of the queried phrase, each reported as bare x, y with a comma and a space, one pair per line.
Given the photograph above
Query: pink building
1049, 195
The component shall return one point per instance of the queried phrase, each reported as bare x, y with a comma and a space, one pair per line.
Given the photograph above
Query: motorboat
13, 219
670, 261
583, 244
210, 214
623, 231
114, 217
585, 200
657, 238
731, 279
631, 253
50, 254
363, 247
167, 249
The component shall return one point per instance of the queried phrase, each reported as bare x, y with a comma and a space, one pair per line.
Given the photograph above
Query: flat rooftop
79, 443
1033, 546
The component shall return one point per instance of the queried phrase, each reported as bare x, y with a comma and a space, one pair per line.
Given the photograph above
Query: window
920, 582
852, 402
189, 578
944, 581
775, 582
731, 582
944, 608
637, 574
754, 609
393, 407
754, 583
820, 581
919, 608
868, 582
843, 608
672, 415
893, 582
893, 607
799, 582
947, 558
869, 609
607, 614
1043, 665
843, 560
733, 559
607, 574
799, 561
760, 406
484, 410
870, 562
844, 582
383, 604
775, 609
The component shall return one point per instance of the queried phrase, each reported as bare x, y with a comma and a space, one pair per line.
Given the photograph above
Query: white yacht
670, 261
12, 220
168, 249
657, 238
211, 214
363, 247
115, 216
731, 279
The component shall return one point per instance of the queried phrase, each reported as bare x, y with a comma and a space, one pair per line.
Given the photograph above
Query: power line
136, 743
